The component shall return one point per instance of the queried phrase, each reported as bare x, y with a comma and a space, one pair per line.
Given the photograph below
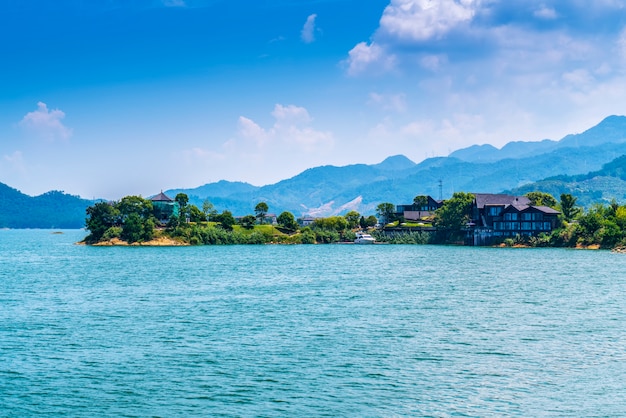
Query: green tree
371, 221
195, 214
333, 223
261, 211
226, 220
133, 229
182, 199
287, 220
353, 218
420, 201
569, 210
100, 217
307, 235
386, 212
208, 209
135, 204
541, 199
247, 222
452, 217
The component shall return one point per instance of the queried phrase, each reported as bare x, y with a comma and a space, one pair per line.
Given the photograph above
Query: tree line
135, 219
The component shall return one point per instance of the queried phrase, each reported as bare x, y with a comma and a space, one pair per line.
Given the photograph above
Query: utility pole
440, 189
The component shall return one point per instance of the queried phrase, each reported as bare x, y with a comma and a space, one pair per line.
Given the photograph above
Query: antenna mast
440, 189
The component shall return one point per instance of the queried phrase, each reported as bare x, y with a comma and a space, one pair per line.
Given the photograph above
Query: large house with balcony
497, 216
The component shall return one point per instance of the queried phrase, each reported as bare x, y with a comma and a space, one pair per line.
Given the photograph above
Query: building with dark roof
498, 216
164, 207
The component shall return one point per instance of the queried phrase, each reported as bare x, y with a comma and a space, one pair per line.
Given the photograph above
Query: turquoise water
334, 330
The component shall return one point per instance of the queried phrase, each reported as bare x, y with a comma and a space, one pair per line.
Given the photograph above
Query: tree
195, 215
247, 222
569, 210
353, 218
452, 217
420, 201
541, 199
100, 217
182, 199
132, 230
135, 204
333, 223
386, 212
208, 209
287, 220
371, 221
226, 220
261, 210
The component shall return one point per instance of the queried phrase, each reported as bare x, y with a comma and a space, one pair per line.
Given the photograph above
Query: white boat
362, 238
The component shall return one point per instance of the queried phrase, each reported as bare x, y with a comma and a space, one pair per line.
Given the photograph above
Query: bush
113, 232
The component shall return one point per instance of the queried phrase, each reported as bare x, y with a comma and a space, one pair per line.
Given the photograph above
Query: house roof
523, 208
547, 210
487, 199
161, 197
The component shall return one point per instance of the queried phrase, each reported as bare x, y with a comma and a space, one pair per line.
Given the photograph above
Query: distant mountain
329, 190
600, 186
550, 166
611, 130
50, 210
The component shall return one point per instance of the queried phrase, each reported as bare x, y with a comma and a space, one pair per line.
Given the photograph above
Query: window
494, 210
510, 216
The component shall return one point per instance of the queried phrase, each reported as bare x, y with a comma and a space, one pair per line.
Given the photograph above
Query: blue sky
118, 97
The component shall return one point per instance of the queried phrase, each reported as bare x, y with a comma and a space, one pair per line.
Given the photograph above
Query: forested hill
600, 186
50, 210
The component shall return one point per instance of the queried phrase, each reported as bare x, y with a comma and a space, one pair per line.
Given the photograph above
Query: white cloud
308, 30
15, 162
46, 123
364, 56
249, 129
393, 102
579, 78
433, 62
545, 12
264, 154
421, 20
291, 127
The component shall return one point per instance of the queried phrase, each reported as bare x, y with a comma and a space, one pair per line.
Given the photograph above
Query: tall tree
386, 212
100, 217
182, 199
569, 210
208, 209
452, 217
261, 211
287, 220
353, 218
420, 201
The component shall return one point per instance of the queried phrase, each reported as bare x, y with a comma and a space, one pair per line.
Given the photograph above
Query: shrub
112, 232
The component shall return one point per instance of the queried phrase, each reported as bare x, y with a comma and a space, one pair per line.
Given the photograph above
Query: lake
308, 330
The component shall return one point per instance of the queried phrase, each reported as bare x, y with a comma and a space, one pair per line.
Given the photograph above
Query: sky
110, 98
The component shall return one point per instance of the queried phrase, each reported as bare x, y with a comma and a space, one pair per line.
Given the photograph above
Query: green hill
53, 209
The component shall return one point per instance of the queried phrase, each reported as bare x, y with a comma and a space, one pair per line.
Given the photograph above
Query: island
536, 219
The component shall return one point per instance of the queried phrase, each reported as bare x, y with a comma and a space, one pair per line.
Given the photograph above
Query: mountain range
590, 165
330, 190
